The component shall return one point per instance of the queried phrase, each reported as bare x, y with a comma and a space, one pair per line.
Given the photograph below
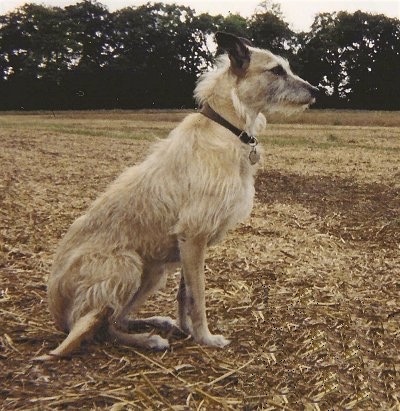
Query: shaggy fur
196, 185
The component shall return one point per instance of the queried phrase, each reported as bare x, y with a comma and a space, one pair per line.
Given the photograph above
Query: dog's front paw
213, 340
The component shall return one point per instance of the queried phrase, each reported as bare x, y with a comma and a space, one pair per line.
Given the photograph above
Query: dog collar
245, 138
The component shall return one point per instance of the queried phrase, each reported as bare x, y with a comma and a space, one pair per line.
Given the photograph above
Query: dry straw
308, 290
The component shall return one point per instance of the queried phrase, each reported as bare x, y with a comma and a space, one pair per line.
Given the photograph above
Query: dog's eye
278, 70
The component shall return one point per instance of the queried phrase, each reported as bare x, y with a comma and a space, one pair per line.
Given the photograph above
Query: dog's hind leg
153, 274
165, 324
143, 340
82, 330
151, 280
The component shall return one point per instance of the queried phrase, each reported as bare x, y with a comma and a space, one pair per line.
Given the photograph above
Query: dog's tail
83, 330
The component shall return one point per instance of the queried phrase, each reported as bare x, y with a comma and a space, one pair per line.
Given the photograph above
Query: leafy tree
232, 23
83, 56
33, 41
34, 49
352, 56
90, 31
269, 30
163, 47
320, 56
372, 60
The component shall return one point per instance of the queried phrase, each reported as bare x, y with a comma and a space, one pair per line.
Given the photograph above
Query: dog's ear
238, 51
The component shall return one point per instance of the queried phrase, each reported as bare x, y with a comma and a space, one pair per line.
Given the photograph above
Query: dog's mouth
303, 104
290, 107
306, 102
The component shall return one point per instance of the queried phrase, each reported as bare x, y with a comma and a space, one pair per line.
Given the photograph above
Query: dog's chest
244, 204
241, 187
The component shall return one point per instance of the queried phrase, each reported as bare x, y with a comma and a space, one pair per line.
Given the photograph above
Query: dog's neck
225, 108
210, 113
238, 114
244, 137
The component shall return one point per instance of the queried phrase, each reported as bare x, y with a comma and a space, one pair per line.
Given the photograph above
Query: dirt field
308, 289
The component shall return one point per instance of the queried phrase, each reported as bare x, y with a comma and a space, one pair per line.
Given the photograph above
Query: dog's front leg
184, 321
191, 296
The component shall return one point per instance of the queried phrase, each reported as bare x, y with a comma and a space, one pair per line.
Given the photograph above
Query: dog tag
254, 156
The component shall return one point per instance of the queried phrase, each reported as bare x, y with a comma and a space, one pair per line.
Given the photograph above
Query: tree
372, 60
83, 56
320, 56
34, 49
90, 31
352, 56
33, 41
164, 48
232, 23
268, 29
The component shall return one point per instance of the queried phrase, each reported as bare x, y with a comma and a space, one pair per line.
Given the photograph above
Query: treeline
85, 57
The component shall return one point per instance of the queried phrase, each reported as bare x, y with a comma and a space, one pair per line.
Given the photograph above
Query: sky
298, 13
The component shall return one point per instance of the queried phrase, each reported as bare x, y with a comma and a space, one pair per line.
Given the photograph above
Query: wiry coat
193, 187
198, 181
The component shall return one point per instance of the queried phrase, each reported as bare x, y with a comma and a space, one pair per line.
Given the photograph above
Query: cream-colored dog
196, 184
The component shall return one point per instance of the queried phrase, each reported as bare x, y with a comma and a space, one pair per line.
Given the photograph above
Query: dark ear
238, 51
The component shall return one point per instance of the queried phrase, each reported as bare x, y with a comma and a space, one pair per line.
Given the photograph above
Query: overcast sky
298, 13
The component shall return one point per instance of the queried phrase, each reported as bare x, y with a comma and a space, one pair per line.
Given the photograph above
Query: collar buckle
248, 139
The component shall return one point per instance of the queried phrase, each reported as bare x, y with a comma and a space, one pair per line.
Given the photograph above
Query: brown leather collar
207, 111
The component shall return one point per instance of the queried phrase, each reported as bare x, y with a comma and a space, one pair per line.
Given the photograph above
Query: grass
308, 289
315, 127
342, 118
322, 117
323, 138
100, 127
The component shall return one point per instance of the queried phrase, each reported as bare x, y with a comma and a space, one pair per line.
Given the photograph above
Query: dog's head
264, 81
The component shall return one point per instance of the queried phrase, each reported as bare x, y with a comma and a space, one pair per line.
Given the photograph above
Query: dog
194, 186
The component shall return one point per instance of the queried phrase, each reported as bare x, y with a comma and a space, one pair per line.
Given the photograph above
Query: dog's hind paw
155, 342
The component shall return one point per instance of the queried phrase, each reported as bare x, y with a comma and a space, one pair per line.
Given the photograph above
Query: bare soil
308, 289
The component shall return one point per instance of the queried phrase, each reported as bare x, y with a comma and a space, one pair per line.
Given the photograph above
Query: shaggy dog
197, 184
